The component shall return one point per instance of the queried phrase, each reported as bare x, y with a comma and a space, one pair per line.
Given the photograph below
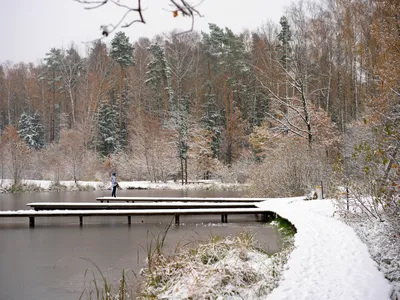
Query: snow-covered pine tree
31, 130
52, 76
285, 37
122, 53
122, 50
258, 104
229, 54
229, 51
107, 125
158, 78
212, 119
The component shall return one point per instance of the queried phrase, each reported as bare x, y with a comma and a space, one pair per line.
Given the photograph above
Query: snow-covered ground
329, 260
383, 243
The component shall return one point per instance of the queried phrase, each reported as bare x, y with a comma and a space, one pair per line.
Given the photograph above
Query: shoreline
28, 185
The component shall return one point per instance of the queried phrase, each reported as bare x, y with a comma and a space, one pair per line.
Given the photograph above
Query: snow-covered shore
70, 185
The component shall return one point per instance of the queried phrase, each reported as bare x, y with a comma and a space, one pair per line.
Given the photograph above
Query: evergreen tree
122, 50
285, 37
31, 130
52, 76
158, 78
107, 125
212, 119
229, 52
122, 53
258, 106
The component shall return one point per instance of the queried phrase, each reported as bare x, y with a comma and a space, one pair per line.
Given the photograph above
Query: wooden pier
159, 205
150, 206
224, 212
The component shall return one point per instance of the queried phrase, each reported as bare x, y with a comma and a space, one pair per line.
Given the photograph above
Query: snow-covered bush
233, 268
369, 173
290, 168
238, 172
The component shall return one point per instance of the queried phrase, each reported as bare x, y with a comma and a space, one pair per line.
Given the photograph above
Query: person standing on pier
114, 185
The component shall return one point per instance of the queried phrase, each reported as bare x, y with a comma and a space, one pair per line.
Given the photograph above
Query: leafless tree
72, 146
16, 153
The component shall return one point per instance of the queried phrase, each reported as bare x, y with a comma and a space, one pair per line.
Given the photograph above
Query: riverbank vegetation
230, 267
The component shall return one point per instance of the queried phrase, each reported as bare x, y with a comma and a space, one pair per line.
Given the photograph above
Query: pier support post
176, 219
224, 218
31, 222
268, 216
265, 217
80, 221
129, 220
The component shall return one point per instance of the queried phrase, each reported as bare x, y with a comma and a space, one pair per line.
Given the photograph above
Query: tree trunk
328, 96
182, 172
186, 172
52, 109
71, 98
121, 83
306, 115
165, 96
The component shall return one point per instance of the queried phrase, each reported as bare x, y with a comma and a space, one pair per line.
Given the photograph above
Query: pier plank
149, 205
178, 199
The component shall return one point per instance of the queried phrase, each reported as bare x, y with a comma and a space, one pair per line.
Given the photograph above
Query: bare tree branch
182, 6
285, 125
97, 3
187, 10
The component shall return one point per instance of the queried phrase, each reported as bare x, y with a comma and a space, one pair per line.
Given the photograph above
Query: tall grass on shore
103, 290
230, 267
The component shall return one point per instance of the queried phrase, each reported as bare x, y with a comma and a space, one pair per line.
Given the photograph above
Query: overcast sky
32, 27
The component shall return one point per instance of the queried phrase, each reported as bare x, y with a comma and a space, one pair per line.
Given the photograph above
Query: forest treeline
313, 98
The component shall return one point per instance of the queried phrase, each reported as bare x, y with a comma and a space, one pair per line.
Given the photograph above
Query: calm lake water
46, 262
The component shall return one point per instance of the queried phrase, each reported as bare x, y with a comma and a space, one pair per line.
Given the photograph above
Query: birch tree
70, 69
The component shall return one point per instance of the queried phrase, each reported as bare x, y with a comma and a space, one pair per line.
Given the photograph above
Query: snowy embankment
329, 261
99, 185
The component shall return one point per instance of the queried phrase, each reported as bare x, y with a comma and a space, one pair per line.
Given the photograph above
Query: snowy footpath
329, 261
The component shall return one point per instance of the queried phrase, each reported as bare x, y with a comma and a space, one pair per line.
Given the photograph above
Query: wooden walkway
160, 205
224, 212
177, 199
174, 206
